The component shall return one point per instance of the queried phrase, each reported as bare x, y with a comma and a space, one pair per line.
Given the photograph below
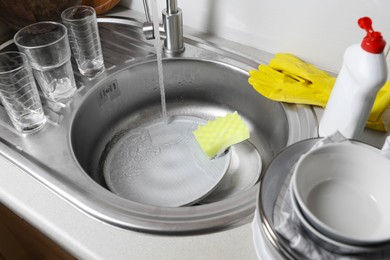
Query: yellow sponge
217, 135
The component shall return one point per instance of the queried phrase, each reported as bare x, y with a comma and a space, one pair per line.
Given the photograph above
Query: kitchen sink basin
204, 81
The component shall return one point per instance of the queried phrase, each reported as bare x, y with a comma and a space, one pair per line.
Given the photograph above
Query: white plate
162, 164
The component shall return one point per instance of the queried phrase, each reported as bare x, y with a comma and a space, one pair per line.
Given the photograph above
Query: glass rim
43, 45
84, 7
22, 65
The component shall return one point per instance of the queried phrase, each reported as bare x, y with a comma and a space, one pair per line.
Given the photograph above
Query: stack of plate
340, 193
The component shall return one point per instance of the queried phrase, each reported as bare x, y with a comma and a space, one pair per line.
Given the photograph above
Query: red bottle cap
373, 42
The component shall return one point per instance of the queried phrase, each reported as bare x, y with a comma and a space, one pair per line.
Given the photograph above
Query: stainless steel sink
204, 81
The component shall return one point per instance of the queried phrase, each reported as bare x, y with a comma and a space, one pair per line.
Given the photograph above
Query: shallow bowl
343, 190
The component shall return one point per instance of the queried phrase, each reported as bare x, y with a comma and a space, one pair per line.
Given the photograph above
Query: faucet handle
148, 30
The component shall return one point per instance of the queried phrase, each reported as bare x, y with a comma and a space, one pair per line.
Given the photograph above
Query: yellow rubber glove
289, 79
377, 120
291, 65
281, 87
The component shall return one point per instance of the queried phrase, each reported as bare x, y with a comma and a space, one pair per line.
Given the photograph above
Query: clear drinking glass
84, 39
47, 49
19, 94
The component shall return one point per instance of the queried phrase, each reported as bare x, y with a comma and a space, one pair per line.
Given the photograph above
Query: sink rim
78, 189
202, 218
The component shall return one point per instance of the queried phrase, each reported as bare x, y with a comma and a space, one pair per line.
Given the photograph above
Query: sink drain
161, 164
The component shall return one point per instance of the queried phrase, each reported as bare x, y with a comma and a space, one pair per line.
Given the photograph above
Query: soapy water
157, 163
143, 148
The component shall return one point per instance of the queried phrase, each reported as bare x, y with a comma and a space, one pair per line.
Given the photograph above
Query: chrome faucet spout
172, 27
172, 6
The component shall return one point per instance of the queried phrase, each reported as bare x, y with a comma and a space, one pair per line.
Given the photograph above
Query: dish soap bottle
363, 73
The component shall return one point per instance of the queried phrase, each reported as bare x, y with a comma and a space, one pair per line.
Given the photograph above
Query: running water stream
158, 47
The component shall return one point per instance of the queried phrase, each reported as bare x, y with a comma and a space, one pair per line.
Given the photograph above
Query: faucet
172, 27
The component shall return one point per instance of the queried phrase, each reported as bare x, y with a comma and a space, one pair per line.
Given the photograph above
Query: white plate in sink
162, 164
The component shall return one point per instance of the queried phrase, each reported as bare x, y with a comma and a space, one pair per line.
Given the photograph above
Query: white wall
316, 31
